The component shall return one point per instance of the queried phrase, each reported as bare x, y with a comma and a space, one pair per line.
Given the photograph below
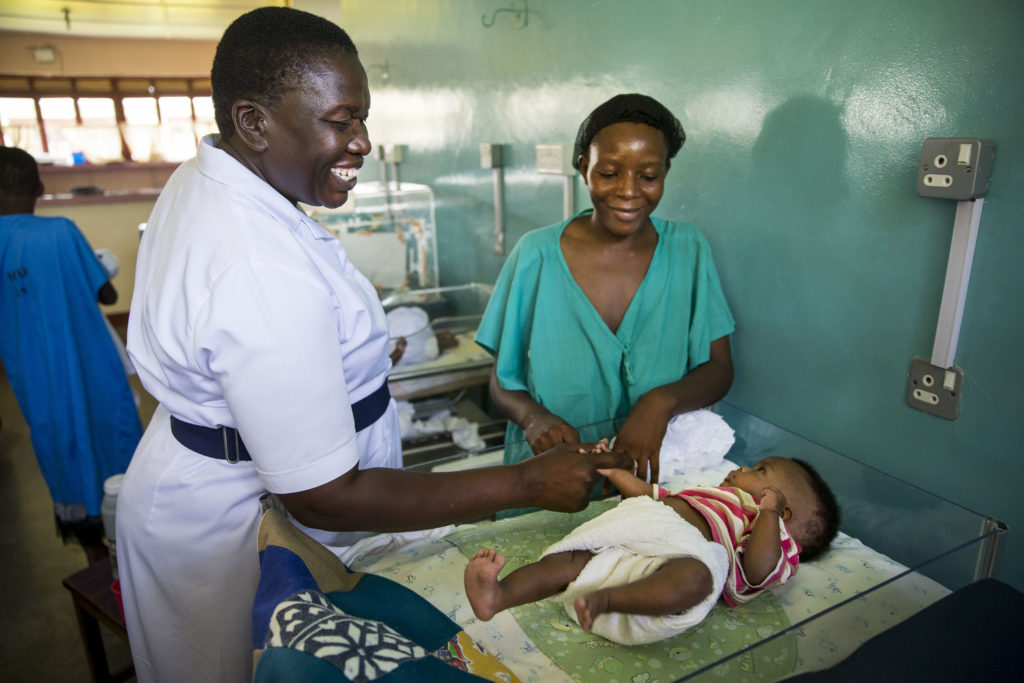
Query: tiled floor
40, 636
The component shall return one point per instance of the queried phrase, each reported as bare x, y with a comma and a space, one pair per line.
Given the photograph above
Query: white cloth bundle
693, 442
378, 544
413, 323
108, 261
631, 541
464, 434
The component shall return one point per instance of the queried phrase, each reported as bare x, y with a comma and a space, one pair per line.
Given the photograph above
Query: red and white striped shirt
731, 513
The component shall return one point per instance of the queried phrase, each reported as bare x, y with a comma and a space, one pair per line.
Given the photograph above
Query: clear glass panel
58, 117
140, 111
97, 110
17, 110
142, 141
204, 128
206, 123
21, 129
57, 108
368, 224
172, 108
141, 128
98, 144
176, 142
900, 548
177, 139
97, 138
204, 108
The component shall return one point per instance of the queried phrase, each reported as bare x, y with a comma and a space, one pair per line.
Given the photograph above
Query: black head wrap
634, 108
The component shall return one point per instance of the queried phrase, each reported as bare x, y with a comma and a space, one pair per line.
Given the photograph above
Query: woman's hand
541, 428
544, 430
645, 427
641, 436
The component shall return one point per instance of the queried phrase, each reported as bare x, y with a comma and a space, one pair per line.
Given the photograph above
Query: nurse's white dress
246, 314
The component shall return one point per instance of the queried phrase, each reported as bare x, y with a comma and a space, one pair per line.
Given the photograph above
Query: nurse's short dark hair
267, 51
19, 173
632, 108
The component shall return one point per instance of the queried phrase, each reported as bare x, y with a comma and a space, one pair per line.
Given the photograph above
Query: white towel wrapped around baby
413, 324
631, 541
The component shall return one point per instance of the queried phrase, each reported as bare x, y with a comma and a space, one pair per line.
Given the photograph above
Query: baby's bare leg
677, 585
532, 582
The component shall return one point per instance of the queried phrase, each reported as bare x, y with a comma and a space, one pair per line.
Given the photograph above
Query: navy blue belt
224, 443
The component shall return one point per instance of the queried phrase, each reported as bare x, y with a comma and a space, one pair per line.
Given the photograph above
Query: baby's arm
629, 484
764, 545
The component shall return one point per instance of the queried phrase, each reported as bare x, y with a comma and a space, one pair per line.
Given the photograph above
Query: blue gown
552, 342
61, 361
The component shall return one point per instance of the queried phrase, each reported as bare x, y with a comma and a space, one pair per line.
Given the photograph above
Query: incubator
899, 550
388, 231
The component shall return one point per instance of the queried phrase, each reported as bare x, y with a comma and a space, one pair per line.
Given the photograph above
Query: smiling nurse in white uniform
267, 351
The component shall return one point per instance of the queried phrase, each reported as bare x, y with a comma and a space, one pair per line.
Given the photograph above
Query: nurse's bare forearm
397, 500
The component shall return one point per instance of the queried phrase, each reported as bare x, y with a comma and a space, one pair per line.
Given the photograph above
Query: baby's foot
589, 607
481, 580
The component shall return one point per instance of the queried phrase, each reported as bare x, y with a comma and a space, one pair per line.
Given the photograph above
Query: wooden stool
95, 604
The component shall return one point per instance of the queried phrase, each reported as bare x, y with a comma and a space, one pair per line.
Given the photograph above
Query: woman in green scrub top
612, 313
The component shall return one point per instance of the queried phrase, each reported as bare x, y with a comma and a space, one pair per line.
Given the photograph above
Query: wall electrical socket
555, 158
934, 389
955, 168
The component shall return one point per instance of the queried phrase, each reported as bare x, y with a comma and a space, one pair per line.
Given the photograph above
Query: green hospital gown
551, 341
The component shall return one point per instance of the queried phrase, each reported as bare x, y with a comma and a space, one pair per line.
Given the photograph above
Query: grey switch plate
934, 389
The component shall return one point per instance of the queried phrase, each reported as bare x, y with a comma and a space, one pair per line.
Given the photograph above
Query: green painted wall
804, 123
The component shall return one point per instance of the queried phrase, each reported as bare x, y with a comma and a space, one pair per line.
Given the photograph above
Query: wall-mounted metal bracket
491, 157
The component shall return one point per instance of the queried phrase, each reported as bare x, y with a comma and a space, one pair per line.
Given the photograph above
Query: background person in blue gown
612, 313
59, 356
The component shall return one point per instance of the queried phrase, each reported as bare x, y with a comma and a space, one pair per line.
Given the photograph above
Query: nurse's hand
544, 430
641, 435
562, 478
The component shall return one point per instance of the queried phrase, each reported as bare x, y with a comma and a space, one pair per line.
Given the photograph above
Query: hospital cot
900, 550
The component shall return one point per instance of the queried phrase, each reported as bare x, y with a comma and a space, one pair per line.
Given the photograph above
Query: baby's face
785, 475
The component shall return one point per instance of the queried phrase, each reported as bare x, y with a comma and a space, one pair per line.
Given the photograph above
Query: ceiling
184, 19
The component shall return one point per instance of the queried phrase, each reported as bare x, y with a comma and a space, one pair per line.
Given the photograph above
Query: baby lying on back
655, 565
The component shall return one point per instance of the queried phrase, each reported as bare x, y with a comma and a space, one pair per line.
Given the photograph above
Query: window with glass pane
59, 123
97, 137
142, 128
177, 134
206, 123
20, 126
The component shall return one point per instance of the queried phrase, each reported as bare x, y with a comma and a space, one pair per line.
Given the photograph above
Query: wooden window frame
156, 87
